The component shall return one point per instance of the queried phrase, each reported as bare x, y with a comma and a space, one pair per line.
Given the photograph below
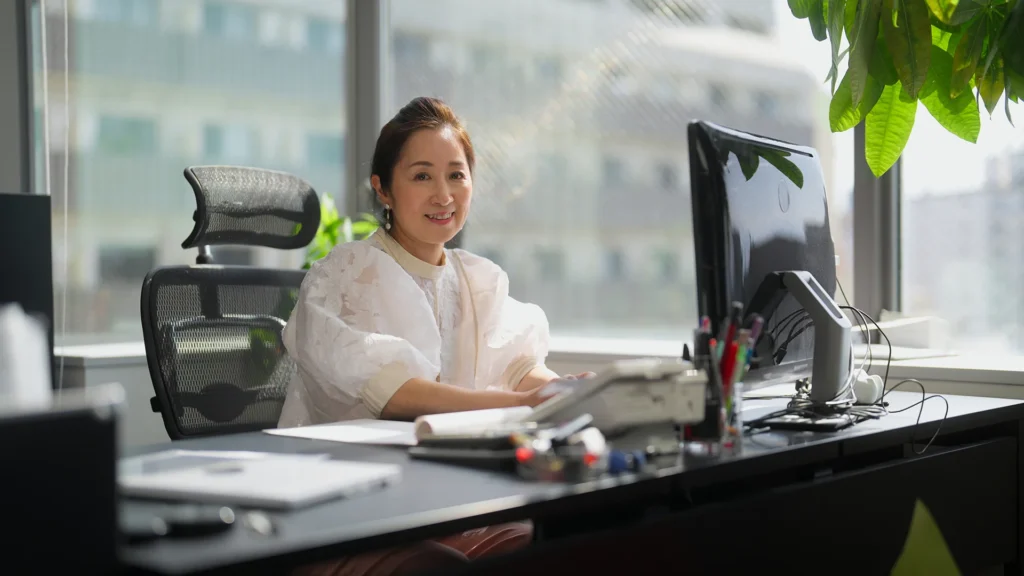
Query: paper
470, 422
343, 433
25, 382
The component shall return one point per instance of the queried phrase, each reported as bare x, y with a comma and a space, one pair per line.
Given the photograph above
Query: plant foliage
952, 56
335, 229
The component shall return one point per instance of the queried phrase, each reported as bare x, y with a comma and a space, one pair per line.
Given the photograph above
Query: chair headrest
251, 207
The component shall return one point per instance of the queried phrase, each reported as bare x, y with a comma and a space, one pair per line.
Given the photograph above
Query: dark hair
421, 114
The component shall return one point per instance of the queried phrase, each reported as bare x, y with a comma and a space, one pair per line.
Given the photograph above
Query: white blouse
370, 316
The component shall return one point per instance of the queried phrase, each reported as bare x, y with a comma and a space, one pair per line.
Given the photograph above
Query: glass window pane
578, 111
157, 86
962, 208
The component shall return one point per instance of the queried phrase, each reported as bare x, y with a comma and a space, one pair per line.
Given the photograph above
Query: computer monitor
759, 207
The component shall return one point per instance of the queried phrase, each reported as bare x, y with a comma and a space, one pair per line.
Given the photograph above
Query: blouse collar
407, 261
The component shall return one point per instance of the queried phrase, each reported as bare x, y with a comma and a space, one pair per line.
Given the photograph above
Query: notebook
491, 421
258, 479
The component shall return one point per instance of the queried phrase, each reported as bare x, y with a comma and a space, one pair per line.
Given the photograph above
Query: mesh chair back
251, 206
213, 342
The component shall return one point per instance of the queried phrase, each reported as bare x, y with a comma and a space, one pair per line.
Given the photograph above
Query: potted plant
335, 229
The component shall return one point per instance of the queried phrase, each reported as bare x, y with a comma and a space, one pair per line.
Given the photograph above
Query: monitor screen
759, 206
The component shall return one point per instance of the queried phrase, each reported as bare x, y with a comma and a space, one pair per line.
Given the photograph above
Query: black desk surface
434, 499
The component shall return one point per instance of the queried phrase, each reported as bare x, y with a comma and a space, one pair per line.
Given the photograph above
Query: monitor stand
831, 365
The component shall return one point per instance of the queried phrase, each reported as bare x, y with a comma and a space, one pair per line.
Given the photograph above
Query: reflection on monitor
759, 207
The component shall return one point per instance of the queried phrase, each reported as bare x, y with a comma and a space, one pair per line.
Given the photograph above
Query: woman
397, 326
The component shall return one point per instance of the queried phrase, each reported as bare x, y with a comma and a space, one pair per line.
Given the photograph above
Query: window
232, 255
550, 265
615, 265
325, 150
611, 91
962, 257
325, 36
126, 263
137, 12
668, 179
225, 93
127, 136
229, 144
232, 20
766, 103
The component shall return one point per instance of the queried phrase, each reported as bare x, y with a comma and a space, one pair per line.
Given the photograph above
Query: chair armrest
154, 404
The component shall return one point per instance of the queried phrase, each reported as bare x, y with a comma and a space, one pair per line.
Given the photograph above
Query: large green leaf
887, 128
943, 9
908, 35
966, 56
967, 10
836, 13
1011, 43
925, 550
990, 81
817, 20
958, 115
842, 114
865, 32
881, 67
850, 19
802, 8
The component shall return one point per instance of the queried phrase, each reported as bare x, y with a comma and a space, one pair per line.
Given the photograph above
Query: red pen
729, 364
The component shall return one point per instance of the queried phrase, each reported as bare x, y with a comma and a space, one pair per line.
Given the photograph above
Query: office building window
127, 136
325, 36
667, 265
962, 240
227, 19
668, 178
137, 12
614, 264
145, 106
126, 264
229, 144
550, 264
232, 255
766, 103
325, 150
609, 87
492, 254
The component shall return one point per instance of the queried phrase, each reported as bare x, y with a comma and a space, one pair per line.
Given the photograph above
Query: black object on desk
58, 483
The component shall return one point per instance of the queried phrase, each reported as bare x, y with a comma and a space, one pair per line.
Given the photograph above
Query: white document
350, 433
470, 422
262, 480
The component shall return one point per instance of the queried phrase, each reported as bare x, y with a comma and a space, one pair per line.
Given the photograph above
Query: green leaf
958, 115
990, 81
887, 128
817, 19
967, 10
836, 13
1011, 44
748, 162
1006, 107
778, 159
802, 8
966, 56
1014, 83
908, 35
943, 9
881, 66
850, 19
842, 114
862, 44
925, 550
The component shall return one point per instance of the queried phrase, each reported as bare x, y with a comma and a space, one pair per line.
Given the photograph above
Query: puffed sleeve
360, 329
513, 335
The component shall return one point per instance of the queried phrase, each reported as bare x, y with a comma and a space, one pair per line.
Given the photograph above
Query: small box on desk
58, 483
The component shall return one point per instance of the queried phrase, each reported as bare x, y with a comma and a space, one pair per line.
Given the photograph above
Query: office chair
213, 333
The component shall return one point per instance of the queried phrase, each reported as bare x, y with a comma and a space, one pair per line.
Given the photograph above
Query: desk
859, 483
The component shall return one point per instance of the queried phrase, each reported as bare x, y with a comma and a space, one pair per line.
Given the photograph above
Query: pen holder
733, 416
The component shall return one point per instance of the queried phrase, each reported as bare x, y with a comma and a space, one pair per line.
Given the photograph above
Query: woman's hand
580, 376
537, 395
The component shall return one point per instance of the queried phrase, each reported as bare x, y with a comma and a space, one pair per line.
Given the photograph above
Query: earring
387, 217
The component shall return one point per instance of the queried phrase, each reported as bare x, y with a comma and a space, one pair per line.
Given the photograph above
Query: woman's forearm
539, 376
418, 397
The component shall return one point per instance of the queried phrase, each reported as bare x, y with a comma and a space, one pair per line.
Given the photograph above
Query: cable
920, 412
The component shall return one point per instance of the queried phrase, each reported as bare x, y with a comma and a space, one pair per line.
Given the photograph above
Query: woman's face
431, 188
